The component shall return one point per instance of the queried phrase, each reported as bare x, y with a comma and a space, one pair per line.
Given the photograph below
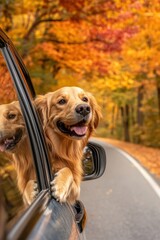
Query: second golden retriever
69, 117
14, 143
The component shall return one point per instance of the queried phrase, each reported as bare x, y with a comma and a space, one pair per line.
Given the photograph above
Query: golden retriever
69, 117
14, 143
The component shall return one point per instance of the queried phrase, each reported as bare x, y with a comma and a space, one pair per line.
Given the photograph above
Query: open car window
16, 163
25, 172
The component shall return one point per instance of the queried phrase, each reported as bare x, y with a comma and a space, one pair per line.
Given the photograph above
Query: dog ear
41, 107
96, 111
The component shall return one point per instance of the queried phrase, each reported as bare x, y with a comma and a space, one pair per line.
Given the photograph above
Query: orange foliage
7, 92
113, 45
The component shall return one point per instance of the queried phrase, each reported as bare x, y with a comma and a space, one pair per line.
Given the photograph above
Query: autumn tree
61, 36
140, 57
108, 47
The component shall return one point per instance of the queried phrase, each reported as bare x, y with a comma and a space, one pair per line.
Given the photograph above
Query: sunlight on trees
110, 48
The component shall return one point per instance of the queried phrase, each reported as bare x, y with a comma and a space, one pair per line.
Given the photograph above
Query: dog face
70, 111
12, 126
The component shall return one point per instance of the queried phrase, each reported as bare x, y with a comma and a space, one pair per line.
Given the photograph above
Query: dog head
70, 112
12, 127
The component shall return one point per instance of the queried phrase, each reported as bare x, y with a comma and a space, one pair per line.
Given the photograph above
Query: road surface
124, 204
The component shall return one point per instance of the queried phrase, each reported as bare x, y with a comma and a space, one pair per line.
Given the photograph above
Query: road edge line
144, 173
141, 169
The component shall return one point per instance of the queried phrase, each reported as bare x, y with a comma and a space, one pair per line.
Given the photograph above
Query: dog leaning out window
69, 117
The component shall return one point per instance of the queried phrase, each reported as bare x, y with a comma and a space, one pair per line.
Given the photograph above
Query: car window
17, 174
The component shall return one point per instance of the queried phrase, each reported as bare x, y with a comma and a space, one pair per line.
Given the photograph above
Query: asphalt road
124, 204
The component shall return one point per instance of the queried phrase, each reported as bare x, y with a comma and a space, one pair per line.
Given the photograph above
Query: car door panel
56, 222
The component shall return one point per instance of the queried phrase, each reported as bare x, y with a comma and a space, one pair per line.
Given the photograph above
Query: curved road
124, 204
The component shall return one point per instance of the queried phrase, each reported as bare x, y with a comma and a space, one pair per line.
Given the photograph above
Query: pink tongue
2, 148
79, 130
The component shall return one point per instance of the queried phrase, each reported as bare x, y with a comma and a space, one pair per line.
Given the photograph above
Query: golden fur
69, 117
65, 148
14, 143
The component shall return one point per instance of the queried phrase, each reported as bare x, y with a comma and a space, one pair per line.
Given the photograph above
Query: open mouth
77, 130
8, 142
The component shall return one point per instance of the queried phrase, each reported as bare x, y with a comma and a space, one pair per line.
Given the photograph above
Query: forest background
110, 48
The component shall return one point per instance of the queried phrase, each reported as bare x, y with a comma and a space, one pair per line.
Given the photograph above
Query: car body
45, 218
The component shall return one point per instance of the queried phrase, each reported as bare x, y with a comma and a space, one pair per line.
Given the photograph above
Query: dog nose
83, 109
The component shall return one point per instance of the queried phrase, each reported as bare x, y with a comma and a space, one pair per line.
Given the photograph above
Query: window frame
26, 95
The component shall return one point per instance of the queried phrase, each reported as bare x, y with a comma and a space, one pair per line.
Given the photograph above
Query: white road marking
144, 173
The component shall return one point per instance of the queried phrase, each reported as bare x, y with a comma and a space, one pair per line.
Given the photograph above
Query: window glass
17, 175
87, 161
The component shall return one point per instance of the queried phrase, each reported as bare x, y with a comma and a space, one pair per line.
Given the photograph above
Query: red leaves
7, 92
72, 5
75, 34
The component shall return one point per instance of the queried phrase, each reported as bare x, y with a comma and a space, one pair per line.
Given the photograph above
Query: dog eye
85, 99
62, 101
11, 116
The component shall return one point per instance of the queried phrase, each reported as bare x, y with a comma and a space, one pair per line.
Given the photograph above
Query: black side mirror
94, 161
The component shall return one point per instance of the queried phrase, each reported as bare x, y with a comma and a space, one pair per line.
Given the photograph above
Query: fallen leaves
148, 157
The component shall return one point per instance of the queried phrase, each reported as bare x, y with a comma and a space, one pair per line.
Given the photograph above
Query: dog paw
61, 185
31, 191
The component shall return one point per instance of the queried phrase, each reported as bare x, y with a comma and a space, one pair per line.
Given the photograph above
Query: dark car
45, 218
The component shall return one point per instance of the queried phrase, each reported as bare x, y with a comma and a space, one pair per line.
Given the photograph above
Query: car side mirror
94, 161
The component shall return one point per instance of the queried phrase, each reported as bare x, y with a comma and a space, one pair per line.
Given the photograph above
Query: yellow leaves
117, 82
30, 6
81, 58
66, 77
118, 77
142, 53
69, 42
71, 32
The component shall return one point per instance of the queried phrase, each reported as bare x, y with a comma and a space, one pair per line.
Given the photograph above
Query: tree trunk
158, 96
132, 114
113, 120
140, 95
125, 121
